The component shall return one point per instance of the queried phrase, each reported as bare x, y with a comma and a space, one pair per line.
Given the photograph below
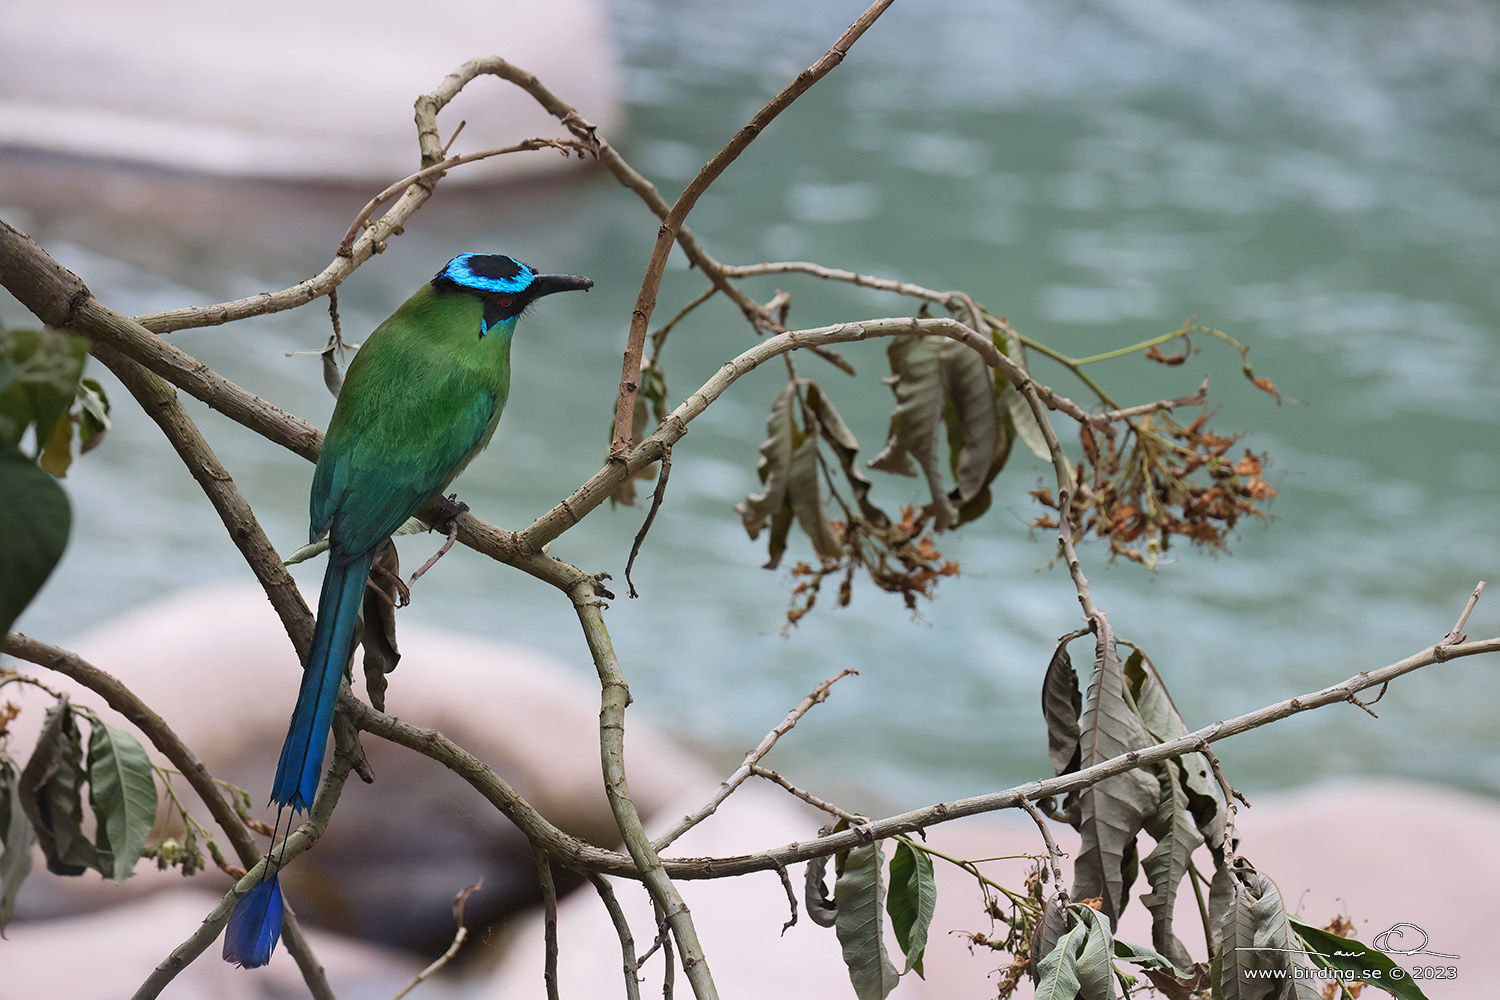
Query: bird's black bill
546, 284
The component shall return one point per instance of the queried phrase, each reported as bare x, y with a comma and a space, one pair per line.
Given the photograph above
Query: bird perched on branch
420, 400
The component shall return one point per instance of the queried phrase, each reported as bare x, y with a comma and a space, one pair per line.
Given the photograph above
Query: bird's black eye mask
498, 309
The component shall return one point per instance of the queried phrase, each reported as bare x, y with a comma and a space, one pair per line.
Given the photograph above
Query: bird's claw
446, 511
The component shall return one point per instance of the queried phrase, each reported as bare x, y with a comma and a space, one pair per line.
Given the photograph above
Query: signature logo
1393, 941
1398, 939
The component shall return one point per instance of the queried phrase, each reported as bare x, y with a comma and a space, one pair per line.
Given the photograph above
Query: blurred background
1317, 179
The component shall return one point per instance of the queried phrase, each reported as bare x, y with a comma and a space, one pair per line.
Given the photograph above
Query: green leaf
122, 790
859, 895
1112, 812
43, 368
16, 837
1048, 931
52, 794
93, 415
912, 899
1159, 715
34, 522
1257, 953
1351, 957
1079, 966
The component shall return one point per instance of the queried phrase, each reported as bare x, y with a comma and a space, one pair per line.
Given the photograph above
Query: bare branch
806, 796
459, 937
161, 405
297, 842
667, 235
657, 495
818, 695
1010, 798
614, 697
346, 246
622, 930
1456, 634
120, 698
549, 919
567, 850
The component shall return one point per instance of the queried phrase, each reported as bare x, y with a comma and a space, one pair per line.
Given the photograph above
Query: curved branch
726, 787
120, 698
615, 696
160, 403
645, 302
298, 841
1010, 798
567, 850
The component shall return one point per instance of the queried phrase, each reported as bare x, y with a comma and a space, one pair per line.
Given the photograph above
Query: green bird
420, 400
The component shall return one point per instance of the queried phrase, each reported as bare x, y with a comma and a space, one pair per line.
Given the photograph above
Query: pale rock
292, 90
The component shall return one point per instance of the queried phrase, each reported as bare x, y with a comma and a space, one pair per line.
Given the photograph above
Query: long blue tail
301, 766
255, 924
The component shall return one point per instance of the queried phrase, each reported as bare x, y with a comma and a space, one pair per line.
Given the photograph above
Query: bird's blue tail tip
255, 925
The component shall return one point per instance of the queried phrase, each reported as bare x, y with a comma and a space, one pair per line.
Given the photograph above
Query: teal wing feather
421, 398
362, 492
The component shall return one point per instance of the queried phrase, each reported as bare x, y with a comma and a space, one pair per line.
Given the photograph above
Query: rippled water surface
1317, 179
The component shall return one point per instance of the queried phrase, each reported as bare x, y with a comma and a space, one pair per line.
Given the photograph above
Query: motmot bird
421, 398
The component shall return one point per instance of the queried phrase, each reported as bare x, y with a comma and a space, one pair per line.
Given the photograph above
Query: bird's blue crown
491, 273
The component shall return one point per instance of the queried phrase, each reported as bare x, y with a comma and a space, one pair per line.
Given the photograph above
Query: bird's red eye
503, 300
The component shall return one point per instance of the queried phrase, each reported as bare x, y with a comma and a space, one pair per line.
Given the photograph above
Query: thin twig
663, 936
791, 898
1456, 634
549, 919
1053, 854
1231, 796
818, 695
1114, 416
804, 795
656, 498
897, 287
668, 967
459, 937
298, 841
645, 302
659, 335
346, 246
448, 544
622, 931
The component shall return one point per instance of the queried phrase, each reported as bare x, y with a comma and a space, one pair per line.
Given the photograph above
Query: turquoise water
1317, 179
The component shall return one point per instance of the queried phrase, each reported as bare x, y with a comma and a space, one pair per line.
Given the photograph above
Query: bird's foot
445, 514
385, 579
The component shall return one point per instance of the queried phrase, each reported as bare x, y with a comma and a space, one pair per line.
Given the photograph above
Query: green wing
366, 490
